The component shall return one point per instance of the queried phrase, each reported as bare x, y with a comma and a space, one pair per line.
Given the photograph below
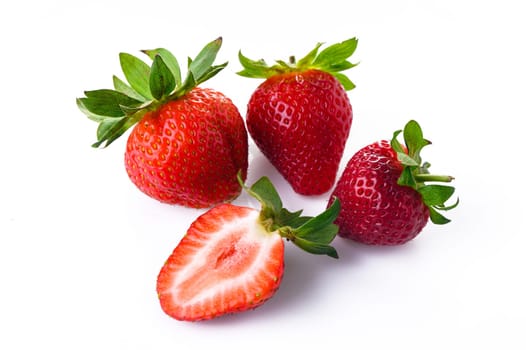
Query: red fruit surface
301, 121
189, 151
226, 263
374, 208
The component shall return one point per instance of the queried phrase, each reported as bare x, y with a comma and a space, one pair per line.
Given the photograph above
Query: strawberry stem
415, 174
433, 178
312, 234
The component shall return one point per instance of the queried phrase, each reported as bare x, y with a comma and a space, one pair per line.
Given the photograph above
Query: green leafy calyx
415, 173
333, 60
312, 234
147, 87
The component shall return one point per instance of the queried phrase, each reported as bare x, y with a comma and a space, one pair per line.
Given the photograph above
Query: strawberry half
384, 191
188, 143
231, 259
300, 116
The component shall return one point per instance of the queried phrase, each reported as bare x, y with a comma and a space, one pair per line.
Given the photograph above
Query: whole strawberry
385, 198
231, 259
300, 116
188, 143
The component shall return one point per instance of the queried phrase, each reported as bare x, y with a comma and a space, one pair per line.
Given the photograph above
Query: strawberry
300, 116
231, 259
384, 194
188, 142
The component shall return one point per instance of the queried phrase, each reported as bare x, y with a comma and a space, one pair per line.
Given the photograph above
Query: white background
80, 246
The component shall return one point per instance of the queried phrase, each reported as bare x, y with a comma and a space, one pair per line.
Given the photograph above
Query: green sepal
188, 84
339, 52
254, 69
107, 128
291, 219
312, 234
95, 117
147, 88
341, 66
321, 228
265, 192
395, 144
170, 61
407, 178
137, 74
332, 60
211, 72
162, 81
204, 59
316, 248
309, 58
443, 207
107, 102
344, 80
434, 195
416, 175
121, 86
414, 140
437, 218
134, 109
406, 159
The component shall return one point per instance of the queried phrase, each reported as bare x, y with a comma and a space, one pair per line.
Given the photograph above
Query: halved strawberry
231, 258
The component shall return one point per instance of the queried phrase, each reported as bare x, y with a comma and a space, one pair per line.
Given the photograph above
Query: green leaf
309, 58
170, 61
135, 109
341, 66
414, 139
137, 74
121, 86
395, 144
162, 81
95, 117
434, 195
188, 84
109, 130
405, 159
344, 80
251, 68
205, 58
316, 248
449, 207
320, 229
407, 178
291, 219
336, 53
107, 102
265, 192
211, 72
437, 218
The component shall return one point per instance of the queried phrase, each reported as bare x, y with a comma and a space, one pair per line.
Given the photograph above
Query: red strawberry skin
226, 263
374, 208
301, 121
189, 151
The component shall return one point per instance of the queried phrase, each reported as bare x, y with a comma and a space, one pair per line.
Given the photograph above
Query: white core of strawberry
236, 243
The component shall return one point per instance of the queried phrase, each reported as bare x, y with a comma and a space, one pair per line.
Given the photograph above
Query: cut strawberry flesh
226, 262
